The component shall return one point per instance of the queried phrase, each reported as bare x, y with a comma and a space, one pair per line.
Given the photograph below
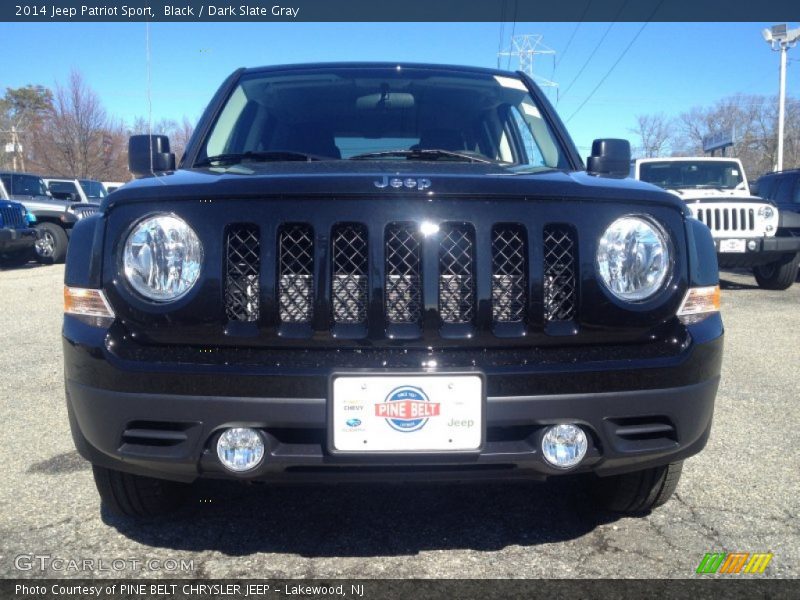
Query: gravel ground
740, 494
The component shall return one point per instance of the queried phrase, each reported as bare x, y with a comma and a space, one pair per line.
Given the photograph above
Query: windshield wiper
422, 154
266, 155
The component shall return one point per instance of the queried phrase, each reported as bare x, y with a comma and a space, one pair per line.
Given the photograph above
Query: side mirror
610, 158
149, 154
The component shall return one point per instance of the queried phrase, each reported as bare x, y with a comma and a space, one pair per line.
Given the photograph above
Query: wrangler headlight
162, 258
634, 258
766, 211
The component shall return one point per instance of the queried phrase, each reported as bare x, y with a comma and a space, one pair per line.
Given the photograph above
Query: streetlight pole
780, 40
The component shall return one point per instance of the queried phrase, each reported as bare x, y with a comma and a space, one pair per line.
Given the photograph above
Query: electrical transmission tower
527, 48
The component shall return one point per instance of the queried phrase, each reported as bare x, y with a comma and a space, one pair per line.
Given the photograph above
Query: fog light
240, 449
752, 245
564, 446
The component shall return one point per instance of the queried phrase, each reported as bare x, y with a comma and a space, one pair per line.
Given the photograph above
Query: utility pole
527, 48
780, 39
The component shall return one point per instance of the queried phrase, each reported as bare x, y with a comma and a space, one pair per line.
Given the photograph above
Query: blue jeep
17, 235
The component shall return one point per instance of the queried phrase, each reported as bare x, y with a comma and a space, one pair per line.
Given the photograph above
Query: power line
616, 62
502, 31
593, 52
572, 37
513, 31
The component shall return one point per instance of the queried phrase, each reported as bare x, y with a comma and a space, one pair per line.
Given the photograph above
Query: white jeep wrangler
746, 229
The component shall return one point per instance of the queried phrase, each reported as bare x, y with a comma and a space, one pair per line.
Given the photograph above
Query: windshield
93, 189
722, 175
62, 189
28, 185
381, 113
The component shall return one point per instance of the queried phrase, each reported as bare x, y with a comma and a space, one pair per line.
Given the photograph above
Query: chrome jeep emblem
411, 183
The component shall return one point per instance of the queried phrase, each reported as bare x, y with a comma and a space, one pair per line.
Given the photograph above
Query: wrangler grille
560, 282
12, 216
456, 274
403, 297
349, 281
296, 274
508, 274
242, 269
727, 218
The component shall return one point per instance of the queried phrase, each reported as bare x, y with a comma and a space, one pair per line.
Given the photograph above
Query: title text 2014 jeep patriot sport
388, 271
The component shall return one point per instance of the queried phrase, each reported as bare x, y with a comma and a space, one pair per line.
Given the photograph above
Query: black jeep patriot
388, 271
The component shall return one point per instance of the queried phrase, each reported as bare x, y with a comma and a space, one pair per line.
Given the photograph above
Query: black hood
358, 178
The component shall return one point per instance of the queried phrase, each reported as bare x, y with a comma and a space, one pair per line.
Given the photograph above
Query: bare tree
654, 133
77, 138
752, 118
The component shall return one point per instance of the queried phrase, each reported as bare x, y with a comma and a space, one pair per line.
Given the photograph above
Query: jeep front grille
560, 281
509, 284
449, 261
242, 272
12, 216
296, 273
727, 218
402, 287
349, 281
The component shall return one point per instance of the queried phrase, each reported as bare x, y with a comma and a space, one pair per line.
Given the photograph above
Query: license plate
732, 245
407, 413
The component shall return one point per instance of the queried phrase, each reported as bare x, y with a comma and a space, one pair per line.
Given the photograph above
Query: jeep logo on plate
411, 183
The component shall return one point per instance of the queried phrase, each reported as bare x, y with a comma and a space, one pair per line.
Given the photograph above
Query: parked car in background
54, 218
17, 235
783, 189
94, 190
65, 189
112, 186
745, 228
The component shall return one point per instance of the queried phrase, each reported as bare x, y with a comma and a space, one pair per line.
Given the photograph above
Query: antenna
527, 47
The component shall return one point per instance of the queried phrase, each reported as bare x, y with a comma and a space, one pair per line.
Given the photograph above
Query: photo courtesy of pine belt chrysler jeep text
388, 271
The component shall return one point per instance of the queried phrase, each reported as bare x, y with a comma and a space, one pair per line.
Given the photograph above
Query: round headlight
766, 212
162, 258
633, 258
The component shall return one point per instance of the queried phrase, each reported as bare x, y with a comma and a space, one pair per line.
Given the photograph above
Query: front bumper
12, 240
162, 419
758, 251
638, 414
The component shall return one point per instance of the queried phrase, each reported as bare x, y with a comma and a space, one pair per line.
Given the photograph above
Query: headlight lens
633, 258
162, 258
766, 212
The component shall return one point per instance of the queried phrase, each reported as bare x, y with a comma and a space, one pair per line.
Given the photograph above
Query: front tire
640, 491
51, 247
137, 496
778, 275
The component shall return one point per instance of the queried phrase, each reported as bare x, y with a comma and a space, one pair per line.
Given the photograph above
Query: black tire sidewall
60, 240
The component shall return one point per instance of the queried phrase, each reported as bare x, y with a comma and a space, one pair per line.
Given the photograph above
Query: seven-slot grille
404, 247
727, 218
12, 216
